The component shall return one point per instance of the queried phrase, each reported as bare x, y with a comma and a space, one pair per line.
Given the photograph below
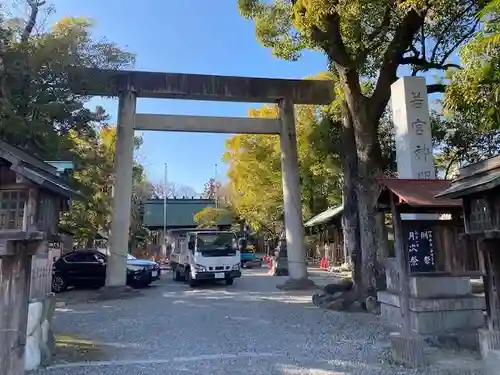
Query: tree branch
436, 88
423, 65
402, 40
450, 164
35, 6
375, 34
447, 29
333, 44
330, 40
466, 36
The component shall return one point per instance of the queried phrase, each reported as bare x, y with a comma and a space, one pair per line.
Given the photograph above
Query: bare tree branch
423, 65
35, 7
448, 27
450, 165
436, 88
466, 36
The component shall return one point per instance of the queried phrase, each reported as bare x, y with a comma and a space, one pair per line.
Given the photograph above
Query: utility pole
216, 189
165, 193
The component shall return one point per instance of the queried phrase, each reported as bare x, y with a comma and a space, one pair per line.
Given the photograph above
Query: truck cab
201, 255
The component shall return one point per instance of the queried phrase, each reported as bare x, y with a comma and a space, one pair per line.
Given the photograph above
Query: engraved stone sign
412, 128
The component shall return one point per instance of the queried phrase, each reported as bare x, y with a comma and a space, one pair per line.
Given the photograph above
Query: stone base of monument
408, 350
492, 363
297, 284
40, 343
489, 340
439, 306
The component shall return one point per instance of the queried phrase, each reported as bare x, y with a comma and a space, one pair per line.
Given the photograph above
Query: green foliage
211, 217
474, 91
255, 170
362, 34
39, 114
41, 111
94, 177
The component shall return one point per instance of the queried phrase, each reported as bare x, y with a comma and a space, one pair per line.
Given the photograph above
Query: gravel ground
247, 328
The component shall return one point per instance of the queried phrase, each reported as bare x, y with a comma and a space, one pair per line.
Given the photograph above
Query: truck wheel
229, 281
191, 282
176, 275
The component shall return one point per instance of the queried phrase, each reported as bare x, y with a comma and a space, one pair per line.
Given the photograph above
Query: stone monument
439, 305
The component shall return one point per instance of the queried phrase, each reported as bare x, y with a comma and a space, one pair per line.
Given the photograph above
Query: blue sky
186, 36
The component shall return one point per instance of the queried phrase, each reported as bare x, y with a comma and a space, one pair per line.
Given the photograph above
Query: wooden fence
41, 275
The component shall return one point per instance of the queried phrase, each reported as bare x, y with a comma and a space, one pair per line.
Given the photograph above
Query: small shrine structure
422, 299
478, 186
32, 195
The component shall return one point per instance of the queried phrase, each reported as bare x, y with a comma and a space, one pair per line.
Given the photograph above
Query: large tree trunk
382, 240
368, 153
350, 222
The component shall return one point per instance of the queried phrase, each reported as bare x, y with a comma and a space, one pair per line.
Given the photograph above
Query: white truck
203, 254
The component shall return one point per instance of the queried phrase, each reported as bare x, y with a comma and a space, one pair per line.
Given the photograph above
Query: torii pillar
116, 274
294, 227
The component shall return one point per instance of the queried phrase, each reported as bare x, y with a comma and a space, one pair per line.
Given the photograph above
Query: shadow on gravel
78, 296
324, 342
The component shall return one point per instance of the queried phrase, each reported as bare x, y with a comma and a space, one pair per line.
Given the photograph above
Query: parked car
155, 271
87, 268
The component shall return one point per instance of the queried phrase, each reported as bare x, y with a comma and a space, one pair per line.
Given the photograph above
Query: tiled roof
417, 193
324, 216
180, 212
36, 170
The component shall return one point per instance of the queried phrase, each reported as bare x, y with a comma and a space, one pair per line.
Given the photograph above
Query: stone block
408, 350
391, 314
469, 302
45, 349
32, 354
439, 287
388, 298
455, 340
492, 363
428, 317
448, 304
489, 340
391, 275
428, 323
49, 306
35, 310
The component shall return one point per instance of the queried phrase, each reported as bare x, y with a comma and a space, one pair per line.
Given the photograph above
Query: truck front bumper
212, 275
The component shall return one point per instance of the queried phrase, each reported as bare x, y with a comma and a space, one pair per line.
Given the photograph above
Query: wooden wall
454, 254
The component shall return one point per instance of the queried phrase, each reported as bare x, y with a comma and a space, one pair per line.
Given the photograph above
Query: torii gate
130, 85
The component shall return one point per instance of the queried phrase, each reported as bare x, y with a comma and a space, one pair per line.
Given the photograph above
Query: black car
87, 268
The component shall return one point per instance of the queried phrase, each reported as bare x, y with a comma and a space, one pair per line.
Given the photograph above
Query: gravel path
247, 328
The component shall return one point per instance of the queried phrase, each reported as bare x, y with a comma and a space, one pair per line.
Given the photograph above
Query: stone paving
247, 328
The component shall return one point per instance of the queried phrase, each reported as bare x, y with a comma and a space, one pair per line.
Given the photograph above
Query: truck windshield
215, 241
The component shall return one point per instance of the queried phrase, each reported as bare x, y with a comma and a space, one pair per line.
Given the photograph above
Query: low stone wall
39, 336
441, 308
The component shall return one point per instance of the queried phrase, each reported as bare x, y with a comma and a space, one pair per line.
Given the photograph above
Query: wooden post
402, 262
407, 347
15, 279
29, 219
